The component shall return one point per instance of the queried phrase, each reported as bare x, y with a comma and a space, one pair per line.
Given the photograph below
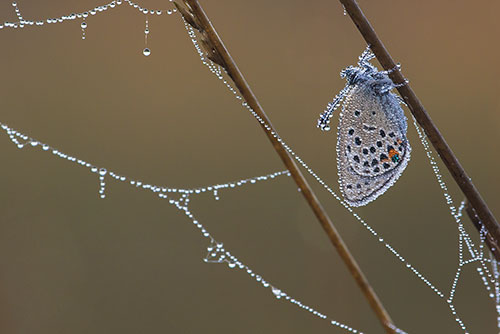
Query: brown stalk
432, 132
196, 16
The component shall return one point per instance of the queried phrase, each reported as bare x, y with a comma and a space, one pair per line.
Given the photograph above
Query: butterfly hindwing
372, 146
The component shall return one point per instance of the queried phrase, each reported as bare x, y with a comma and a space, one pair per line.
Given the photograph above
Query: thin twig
215, 48
432, 132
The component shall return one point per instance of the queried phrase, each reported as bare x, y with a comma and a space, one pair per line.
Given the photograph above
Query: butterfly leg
401, 101
395, 68
388, 87
325, 116
404, 83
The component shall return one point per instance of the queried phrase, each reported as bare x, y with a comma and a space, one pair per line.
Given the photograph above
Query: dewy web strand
483, 271
216, 252
22, 22
212, 68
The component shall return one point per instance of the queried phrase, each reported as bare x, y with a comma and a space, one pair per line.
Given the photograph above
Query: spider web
468, 252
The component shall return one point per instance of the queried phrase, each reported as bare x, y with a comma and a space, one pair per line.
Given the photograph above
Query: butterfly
372, 147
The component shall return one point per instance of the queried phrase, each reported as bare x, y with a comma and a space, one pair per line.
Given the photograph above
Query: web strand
483, 270
180, 199
468, 253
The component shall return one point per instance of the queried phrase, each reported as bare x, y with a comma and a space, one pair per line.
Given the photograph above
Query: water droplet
231, 265
146, 52
276, 292
84, 25
146, 31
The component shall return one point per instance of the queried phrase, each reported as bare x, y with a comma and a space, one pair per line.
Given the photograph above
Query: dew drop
84, 25
146, 52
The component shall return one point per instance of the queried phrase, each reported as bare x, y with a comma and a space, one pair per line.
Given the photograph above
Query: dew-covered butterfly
372, 148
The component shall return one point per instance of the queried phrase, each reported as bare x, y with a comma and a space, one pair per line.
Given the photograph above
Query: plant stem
218, 53
432, 132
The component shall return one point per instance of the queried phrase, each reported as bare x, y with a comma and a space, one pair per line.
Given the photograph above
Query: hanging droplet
83, 25
146, 50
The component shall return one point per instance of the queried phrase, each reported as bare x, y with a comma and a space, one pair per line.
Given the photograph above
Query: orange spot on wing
392, 153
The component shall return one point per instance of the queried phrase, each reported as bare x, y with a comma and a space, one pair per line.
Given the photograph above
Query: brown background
72, 263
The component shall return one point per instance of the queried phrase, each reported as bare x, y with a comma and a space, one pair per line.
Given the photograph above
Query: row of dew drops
22, 22
216, 252
478, 256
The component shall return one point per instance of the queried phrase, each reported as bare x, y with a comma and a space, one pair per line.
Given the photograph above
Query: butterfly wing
372, 148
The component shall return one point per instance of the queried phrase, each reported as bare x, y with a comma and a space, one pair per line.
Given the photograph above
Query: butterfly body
372, 147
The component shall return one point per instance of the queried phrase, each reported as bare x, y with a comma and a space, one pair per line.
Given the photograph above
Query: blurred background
73, 263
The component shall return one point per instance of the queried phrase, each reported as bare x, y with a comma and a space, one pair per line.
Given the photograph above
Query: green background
73, 263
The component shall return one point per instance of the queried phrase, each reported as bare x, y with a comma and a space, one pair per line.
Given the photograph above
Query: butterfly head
355, 75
